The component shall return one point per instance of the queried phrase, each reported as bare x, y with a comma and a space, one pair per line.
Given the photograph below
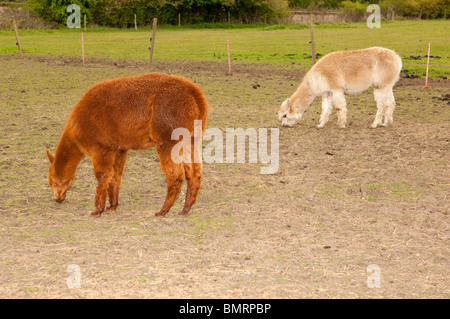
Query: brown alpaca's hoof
161, 214
110, 208
96, 214
183, 213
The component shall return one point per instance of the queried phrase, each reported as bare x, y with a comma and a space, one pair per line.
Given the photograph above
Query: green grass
280, 44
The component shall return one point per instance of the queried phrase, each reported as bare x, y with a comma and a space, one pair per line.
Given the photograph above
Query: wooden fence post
229, 57
428, 64
82, 46
152, 41
313, 43
135, 22
17, 37
84, 23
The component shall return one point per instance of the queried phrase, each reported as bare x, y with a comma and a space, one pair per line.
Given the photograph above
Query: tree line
120, 13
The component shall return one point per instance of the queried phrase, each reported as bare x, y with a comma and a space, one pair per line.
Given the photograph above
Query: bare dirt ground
342, 199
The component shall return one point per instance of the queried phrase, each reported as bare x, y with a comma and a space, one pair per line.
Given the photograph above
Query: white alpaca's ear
284, 109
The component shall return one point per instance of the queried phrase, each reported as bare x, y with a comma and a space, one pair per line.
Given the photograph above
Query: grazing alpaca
134, 113
344, 72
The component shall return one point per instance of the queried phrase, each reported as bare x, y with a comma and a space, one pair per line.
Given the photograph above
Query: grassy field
342, 199
283, 45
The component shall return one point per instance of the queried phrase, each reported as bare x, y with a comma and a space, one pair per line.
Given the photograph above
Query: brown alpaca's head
59, 183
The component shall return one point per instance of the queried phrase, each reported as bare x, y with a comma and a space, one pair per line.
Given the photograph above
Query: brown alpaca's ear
50, 156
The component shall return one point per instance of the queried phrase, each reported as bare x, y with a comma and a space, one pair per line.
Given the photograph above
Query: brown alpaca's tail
202, 105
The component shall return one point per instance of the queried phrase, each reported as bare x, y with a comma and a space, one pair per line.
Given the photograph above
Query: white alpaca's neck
301, 99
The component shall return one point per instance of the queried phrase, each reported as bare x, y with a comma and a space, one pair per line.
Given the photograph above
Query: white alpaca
346, 72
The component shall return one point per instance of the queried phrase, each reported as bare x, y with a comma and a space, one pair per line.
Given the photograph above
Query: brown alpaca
134, 113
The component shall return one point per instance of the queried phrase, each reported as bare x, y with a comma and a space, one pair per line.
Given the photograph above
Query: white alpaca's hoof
320, 125
374, 125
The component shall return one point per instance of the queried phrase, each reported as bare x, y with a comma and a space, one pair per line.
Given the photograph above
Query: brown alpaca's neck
302, 98
67, 157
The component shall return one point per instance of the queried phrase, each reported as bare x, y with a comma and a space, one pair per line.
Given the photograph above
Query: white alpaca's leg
327, 107
389, 111
340, 104
382, 98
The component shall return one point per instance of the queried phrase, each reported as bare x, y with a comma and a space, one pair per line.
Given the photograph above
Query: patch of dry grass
310, 230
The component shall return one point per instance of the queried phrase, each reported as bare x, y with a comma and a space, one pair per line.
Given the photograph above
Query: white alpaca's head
286, 114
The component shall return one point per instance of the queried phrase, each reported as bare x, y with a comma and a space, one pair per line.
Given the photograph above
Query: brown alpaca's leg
193, 173
174, 174
194, 182
114, 184
103, 162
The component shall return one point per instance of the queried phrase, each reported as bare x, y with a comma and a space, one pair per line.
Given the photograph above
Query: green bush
120, 13
431, 9
354, 7
55, 10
